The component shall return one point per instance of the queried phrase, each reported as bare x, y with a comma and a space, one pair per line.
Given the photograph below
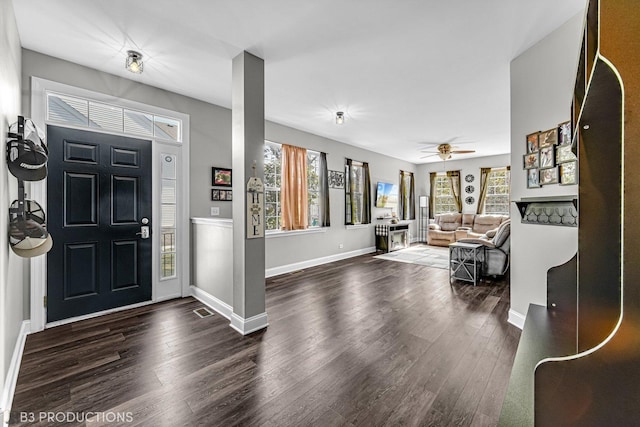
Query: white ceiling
404, 72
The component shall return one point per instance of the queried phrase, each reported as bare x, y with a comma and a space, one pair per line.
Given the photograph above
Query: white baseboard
221, 307
252, 324
516, 319
283, 269
12, 375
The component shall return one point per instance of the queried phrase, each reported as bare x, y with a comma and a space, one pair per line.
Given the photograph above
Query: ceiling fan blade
463, 151
430, 155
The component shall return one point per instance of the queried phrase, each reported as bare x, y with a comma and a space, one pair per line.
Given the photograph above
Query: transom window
80, 112
443, 200
497, 198
273, 182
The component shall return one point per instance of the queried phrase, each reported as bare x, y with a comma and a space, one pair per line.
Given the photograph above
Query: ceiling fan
445, 151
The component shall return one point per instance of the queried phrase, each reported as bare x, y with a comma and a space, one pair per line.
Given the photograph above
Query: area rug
430, 256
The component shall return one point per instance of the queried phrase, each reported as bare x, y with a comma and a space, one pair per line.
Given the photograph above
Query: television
387, 195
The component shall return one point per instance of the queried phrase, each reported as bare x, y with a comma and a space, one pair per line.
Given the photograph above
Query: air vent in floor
203, 312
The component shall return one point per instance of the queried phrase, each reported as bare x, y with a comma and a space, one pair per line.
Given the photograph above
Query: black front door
98, 196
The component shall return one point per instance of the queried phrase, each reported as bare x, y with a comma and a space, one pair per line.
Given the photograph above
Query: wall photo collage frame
549, 158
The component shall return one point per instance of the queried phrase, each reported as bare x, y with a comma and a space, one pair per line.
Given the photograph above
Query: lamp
134, 62
339, 118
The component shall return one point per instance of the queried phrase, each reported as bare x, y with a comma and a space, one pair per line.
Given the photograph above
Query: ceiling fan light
134, 62
339, 118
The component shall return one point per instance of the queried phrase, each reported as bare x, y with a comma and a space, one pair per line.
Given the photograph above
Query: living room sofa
451, 227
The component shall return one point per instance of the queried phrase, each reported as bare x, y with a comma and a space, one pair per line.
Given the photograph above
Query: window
272, 179
273, 182
497, 197
357, 193
313, 187
82, 112
168, 205
443, 198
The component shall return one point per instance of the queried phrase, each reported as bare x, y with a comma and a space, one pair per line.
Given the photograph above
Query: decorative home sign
220, 177
336, 179
255, 208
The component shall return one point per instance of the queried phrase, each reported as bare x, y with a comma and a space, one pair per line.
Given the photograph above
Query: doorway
169, 134
102, 222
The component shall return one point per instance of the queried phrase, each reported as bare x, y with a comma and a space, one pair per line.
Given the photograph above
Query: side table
465, 261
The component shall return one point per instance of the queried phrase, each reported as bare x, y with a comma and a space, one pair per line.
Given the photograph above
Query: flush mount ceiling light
134, 62
339, 118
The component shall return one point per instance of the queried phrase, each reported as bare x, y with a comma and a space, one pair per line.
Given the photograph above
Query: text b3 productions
76, 417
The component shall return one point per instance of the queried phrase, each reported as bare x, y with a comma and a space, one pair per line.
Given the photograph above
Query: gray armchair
497, 245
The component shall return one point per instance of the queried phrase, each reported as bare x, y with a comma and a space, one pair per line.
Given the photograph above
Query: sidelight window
168, 224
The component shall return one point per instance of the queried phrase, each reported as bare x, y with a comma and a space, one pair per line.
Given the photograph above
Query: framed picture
226, 195
549, 176
547, 156
548, 137
215, 194
221, 177
569, 173
564, 154
532, 142
533, 178
532, 160
564, 131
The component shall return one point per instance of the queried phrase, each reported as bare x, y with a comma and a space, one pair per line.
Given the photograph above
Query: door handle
144, 232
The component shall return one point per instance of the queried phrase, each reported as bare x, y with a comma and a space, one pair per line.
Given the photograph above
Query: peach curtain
293, 189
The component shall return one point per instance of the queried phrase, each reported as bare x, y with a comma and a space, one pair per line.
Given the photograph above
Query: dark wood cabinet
578, 361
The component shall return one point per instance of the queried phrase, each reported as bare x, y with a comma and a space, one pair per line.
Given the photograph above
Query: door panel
98, 191
80, 198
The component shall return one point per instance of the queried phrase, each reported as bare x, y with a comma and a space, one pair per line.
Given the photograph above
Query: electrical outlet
341, 246
215, 211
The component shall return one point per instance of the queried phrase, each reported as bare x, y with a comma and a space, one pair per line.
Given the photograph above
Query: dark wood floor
357, 342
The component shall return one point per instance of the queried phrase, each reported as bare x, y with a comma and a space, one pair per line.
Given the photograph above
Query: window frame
276, 190
489, 196
437, 195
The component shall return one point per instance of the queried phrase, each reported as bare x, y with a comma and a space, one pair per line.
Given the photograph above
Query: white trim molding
279, 233
516, 319
220, 307
247, 326
283, 269
12, 375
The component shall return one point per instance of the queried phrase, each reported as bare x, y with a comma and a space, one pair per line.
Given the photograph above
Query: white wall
465, 166
542, 81
288, 250
11, 267
212, 262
